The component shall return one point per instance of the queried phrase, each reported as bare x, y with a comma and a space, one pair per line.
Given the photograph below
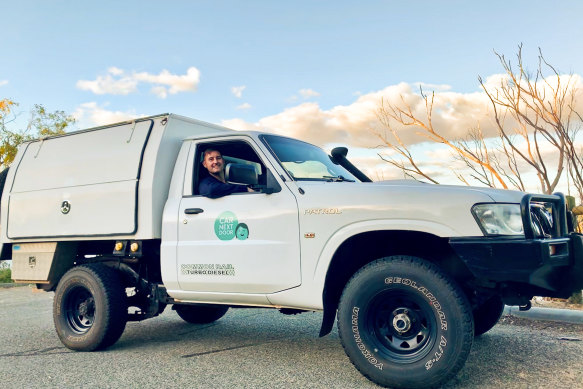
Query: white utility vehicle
111, 220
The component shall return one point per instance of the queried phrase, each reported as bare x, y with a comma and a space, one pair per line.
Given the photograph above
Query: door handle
193, 211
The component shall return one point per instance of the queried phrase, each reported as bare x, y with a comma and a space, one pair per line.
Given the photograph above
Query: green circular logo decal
225, 225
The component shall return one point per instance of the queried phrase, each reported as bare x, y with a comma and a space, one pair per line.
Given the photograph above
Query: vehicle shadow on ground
497, 358
246, 327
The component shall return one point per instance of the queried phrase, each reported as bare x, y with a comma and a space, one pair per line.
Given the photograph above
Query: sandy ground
544, 302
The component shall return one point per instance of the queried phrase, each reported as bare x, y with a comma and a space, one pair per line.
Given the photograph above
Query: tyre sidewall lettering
408, 284
359, 342
425, 292
411, 317
440, 344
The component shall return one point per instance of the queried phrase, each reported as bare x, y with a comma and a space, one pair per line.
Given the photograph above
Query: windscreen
304, 161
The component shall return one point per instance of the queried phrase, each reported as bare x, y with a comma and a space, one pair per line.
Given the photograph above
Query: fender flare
335, 241
350, 230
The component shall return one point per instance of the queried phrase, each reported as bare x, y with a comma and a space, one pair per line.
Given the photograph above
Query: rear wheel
487, 315
201, 313
90, 307
404, 324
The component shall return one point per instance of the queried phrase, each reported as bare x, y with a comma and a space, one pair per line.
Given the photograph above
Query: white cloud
108, 84
237, 91
115, 71
119, 82
92, 114
244, 106
307, 93
175, 83
374, 167
3, 82
454, 114
357, 125
159, 91
432, 87
342, 124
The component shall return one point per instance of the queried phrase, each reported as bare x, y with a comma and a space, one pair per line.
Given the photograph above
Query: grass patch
576, 298
5, 276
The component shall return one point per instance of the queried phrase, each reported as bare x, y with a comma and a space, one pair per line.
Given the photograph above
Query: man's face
213, 162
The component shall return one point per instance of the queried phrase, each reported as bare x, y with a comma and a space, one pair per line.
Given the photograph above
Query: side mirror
241, 174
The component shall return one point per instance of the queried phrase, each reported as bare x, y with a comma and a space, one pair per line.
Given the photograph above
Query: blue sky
319, 55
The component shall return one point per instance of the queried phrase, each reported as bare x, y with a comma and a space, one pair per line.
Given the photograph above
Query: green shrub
576, 298
5, 276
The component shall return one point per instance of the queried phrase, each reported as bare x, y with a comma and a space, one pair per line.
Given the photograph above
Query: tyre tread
115, 319
459, 296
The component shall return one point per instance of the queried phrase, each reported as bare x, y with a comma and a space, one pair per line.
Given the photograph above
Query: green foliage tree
5, 274
41, 123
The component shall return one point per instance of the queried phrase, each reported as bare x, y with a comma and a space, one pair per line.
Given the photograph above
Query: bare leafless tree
529, 112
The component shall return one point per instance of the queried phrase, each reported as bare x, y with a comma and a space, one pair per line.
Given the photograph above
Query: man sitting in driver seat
215, 186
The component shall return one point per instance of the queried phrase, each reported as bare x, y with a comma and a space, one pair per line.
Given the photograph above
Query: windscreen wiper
338, 178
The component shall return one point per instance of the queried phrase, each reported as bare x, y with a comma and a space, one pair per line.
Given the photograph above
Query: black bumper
555, 265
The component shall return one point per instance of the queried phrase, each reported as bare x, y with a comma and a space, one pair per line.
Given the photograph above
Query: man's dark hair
208, 150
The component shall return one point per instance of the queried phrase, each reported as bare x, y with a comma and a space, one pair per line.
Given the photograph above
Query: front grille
544, 216
542, 220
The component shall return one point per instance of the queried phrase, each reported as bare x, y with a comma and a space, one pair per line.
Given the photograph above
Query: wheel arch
365, 247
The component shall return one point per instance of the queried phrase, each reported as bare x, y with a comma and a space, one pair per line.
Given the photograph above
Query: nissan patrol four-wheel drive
111, 220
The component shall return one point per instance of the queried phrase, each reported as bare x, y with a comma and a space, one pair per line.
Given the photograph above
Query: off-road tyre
201, 313
487, 315
90, 307
404, 323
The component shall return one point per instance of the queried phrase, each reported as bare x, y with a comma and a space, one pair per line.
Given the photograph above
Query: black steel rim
79, 309
401, 326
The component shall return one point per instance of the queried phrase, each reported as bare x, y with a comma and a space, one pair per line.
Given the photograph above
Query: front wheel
90, 307
404, 323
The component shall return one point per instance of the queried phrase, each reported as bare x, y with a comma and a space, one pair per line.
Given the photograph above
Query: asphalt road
257, 348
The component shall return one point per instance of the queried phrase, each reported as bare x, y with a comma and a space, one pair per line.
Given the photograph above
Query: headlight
499, 219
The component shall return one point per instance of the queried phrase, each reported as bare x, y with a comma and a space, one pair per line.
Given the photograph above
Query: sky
315, 70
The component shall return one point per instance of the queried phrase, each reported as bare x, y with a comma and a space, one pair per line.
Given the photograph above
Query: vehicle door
241, 243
